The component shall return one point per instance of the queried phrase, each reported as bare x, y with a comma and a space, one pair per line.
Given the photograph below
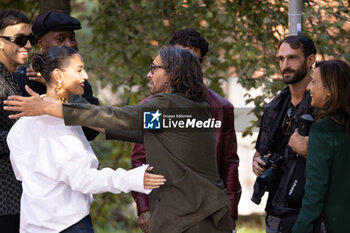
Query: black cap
53, 21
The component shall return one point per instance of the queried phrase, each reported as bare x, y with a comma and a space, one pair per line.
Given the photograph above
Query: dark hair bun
37, 62
54, 57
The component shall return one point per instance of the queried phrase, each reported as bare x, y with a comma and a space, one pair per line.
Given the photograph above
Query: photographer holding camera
278, 166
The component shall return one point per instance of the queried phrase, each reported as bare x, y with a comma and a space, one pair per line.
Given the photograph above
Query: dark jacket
194, 190
22, 80
226, 153
10, 188
274, 113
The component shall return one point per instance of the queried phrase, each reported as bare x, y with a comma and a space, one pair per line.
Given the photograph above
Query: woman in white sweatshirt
56, 163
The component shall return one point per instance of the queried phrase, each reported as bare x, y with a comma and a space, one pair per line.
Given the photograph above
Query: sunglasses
154, 67
21, 40
288, 120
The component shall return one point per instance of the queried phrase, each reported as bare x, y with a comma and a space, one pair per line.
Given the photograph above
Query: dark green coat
186, 158
327, 178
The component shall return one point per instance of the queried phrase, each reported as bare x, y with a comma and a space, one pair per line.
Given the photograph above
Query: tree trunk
54, 5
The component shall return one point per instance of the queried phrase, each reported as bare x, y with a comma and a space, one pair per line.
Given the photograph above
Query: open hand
152, 181
27, 106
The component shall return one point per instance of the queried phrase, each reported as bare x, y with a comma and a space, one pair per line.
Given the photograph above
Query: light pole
295, 17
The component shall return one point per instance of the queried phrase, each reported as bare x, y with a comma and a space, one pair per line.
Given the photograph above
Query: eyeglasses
154, 67
21, 40
288, 120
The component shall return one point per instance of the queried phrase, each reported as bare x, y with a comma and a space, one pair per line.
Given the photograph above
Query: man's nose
284, 64
28, 45
149, 75
68, 43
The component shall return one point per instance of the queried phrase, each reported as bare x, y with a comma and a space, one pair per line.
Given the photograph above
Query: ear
56, 75
310, 60
41, 45
204, 59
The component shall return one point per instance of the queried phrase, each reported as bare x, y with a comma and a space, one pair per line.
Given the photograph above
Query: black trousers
9, 223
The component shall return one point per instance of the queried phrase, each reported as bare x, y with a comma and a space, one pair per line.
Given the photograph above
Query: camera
304, 124
268, 177
267, 180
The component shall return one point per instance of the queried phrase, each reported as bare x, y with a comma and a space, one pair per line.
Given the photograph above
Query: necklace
62, 100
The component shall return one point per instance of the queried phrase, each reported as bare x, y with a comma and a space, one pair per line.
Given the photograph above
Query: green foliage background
120, 38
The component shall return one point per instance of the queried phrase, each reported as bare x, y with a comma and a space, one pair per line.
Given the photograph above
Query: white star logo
156, 115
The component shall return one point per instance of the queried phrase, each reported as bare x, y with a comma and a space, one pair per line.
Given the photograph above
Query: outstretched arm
125, 118
32, 106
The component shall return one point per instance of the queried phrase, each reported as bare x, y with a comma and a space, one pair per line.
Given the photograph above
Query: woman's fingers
152, 181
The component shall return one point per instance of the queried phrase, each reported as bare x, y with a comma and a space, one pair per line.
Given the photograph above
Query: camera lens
267, 178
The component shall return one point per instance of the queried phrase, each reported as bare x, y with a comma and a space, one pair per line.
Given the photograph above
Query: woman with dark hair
177, 131
56, 163
16, 41
327, 188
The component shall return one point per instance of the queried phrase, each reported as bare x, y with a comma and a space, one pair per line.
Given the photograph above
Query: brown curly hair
184, 72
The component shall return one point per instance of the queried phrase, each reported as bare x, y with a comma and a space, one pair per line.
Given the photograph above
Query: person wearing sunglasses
296, 55
21, 40
54, 29
16, 41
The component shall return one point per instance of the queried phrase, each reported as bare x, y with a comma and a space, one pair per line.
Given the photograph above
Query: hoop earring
58, 87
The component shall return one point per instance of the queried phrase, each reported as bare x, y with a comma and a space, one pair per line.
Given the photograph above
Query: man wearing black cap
54, 29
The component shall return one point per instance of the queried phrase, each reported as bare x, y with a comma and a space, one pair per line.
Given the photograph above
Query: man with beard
226, 144
54, 29
285, 183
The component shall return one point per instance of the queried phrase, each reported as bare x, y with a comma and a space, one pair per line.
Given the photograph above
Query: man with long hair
226, 143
